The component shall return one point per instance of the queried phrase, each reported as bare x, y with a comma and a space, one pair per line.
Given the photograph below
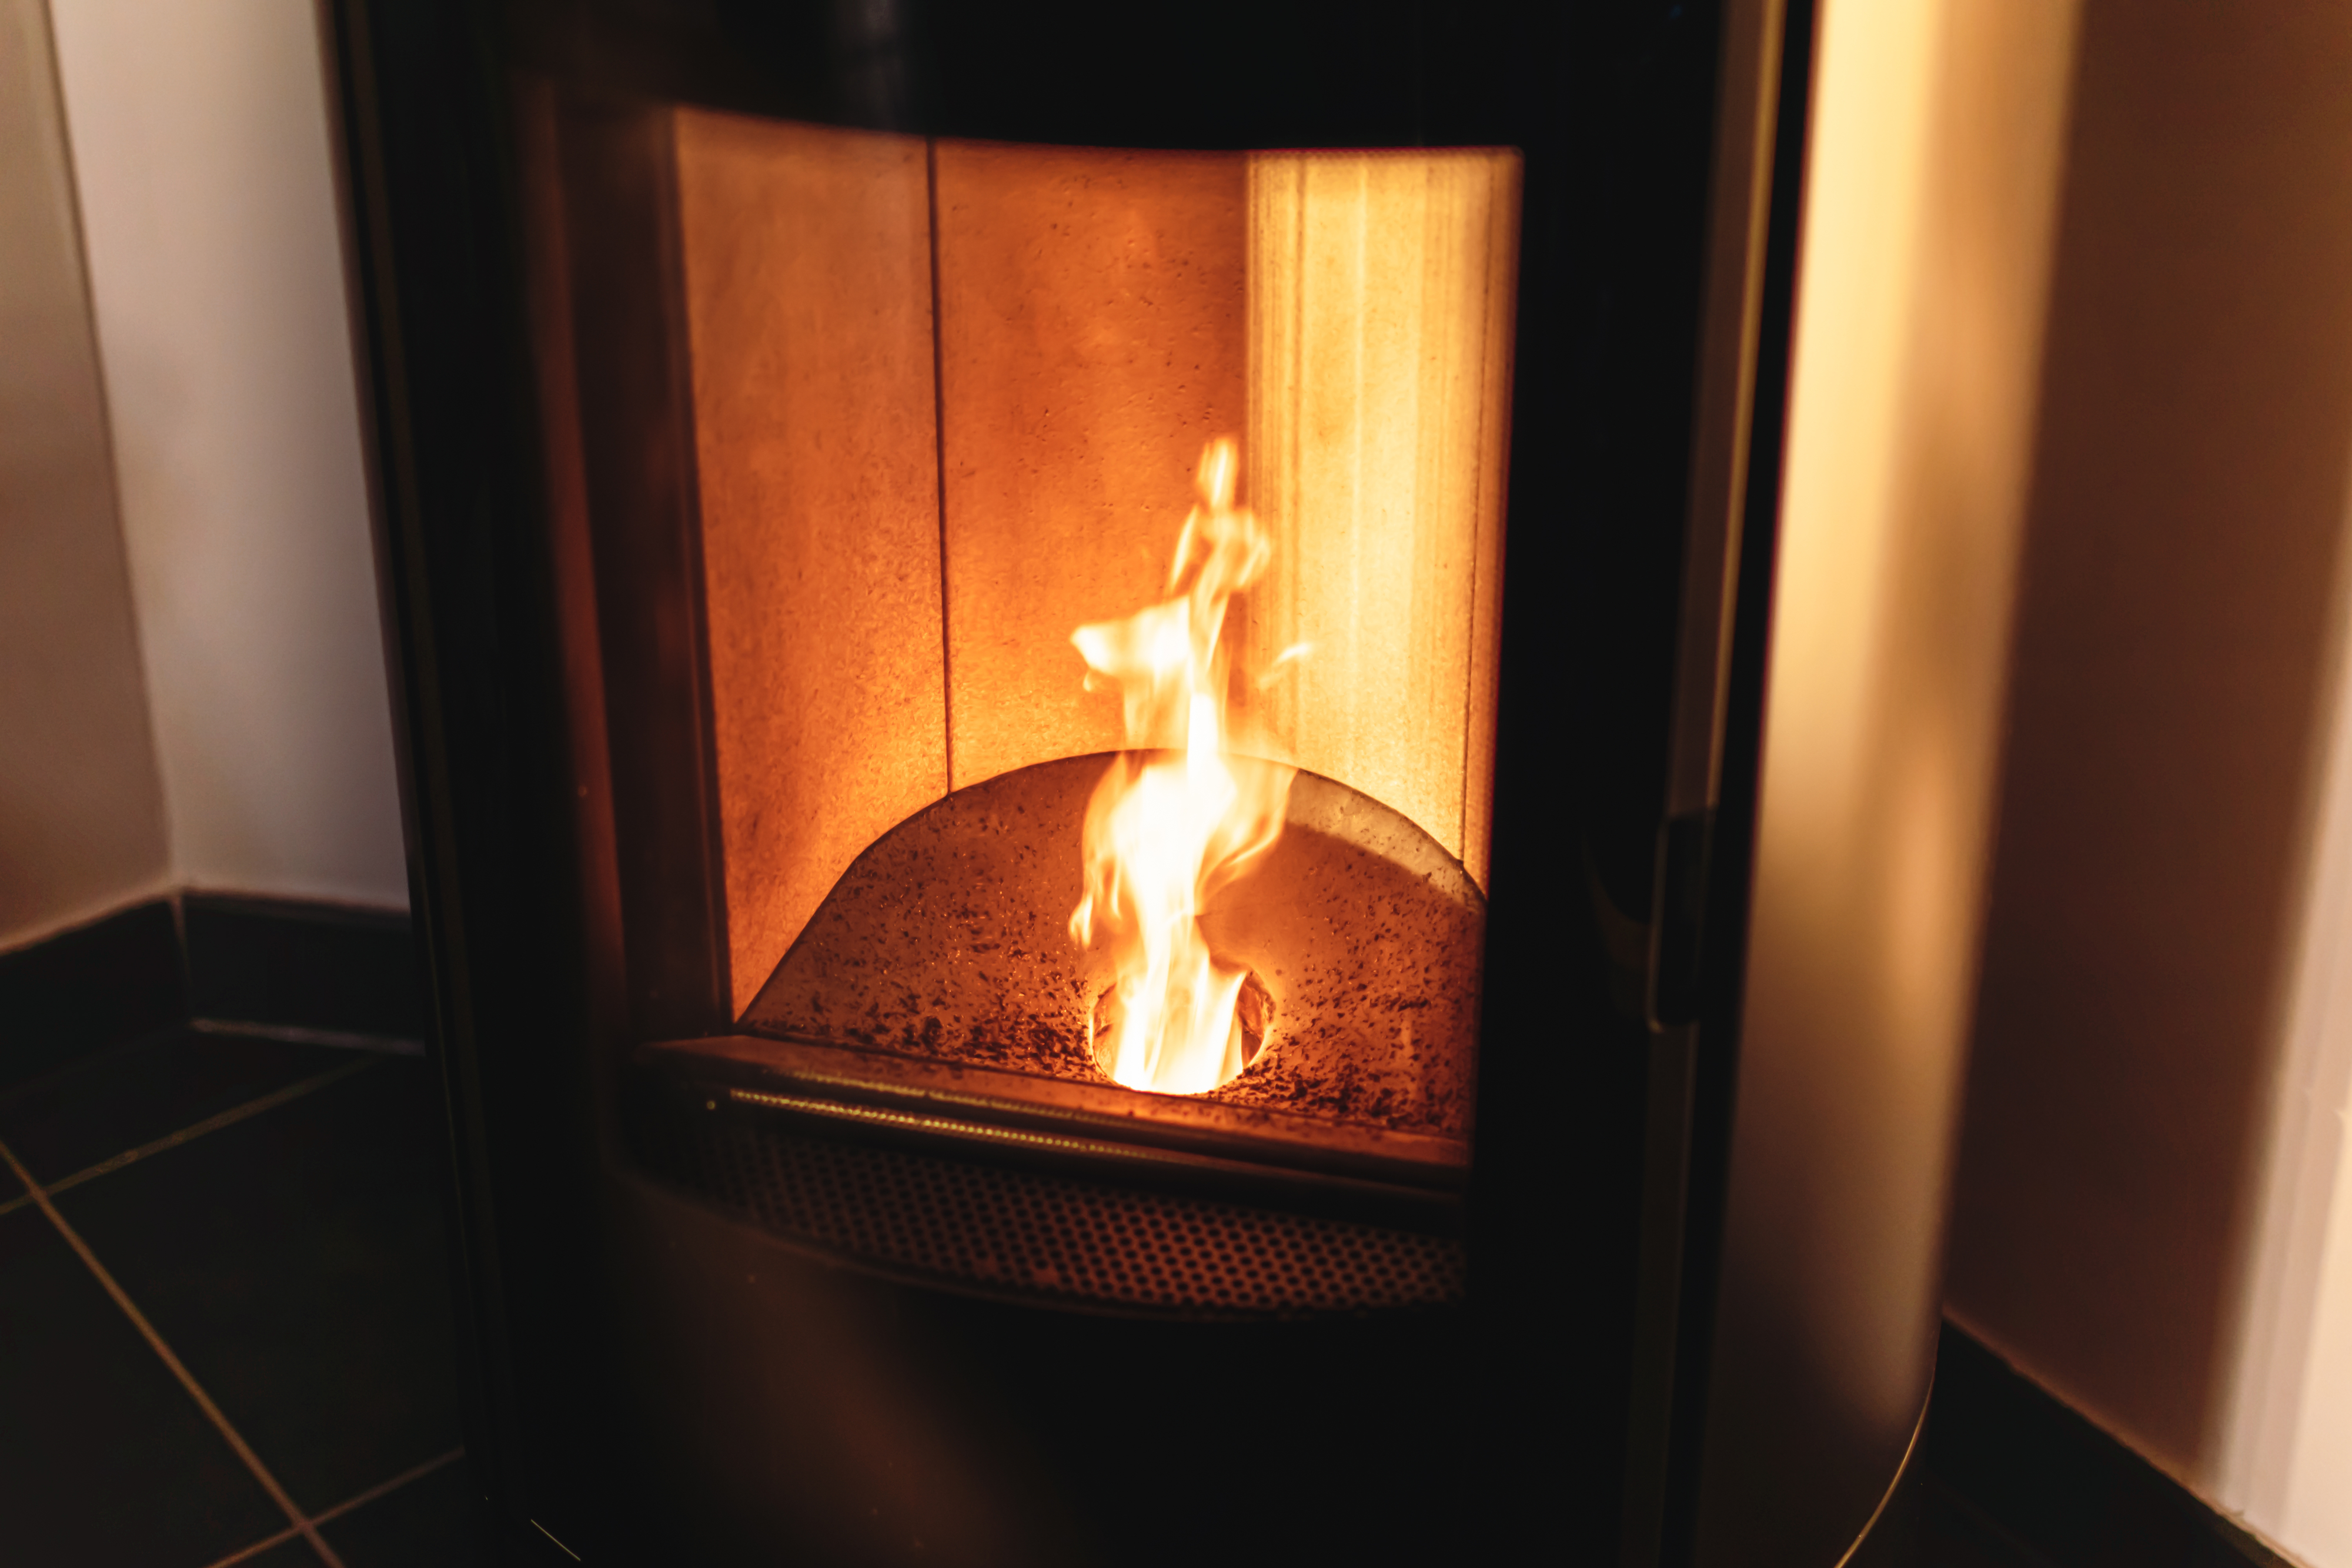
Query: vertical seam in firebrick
244, 1450
940, 466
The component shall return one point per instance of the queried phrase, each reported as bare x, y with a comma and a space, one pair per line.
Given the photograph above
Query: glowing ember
1176, 817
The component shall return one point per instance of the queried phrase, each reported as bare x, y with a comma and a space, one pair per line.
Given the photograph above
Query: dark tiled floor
2015, 1477
267, 1214
1955, 1534
133, 1095
95, 1419
240, 1250
410, 1525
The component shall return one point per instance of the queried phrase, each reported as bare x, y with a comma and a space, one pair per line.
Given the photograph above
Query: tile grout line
385, 1489
228, 1118
381, 1488
246, 1554
559, 1546
213, 1412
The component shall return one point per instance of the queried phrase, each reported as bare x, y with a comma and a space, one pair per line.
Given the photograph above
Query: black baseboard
316, 966
305, 969
2020, 1471
85, 989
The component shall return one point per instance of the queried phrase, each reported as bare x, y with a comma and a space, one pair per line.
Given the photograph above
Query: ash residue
1373, 959
948, 940
1326, 1072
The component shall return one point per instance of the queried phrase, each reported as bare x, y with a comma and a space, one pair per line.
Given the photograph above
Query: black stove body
745, 1279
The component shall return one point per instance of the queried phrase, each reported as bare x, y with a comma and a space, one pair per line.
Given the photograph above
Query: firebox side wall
807, 277
917, 484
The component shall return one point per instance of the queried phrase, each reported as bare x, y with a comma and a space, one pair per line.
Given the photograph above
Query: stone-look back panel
1091, 342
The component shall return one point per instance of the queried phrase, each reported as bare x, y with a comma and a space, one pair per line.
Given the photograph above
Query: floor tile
1953, 1533
83, 990
295, 1262
133, 1094
433, 1521
104, 1459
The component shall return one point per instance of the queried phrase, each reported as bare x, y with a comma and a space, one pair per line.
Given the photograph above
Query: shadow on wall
2187, 518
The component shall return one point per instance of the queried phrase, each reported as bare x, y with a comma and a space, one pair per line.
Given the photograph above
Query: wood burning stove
1050, 659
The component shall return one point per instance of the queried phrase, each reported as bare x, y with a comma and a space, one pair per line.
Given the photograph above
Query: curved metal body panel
1931, 189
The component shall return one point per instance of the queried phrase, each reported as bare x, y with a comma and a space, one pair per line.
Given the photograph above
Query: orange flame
1163, 832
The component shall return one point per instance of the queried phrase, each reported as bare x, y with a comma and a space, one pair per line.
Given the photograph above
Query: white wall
201, 153
2286, 1444
2313, 1515
2144, 1217
82, 807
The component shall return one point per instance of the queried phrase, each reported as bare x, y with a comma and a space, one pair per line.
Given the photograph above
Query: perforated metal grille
1033, 1232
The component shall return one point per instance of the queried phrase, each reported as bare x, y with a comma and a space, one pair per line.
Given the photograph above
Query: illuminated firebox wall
951, 401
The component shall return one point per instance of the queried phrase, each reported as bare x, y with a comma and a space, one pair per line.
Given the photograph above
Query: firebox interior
948, 398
